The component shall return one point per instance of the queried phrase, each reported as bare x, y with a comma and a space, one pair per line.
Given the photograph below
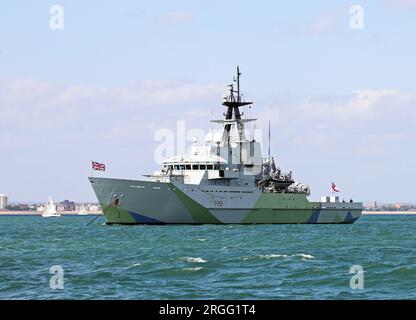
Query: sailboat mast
269, 136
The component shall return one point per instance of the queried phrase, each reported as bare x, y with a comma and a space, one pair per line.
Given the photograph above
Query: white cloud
26, 103
163, 93
323, 23
175, 17
357, 118
361, 104
406, 4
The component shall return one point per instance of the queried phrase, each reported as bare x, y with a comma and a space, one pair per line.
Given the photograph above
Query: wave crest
195, 260
193, 269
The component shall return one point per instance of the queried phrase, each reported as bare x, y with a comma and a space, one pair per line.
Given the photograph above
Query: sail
82, 210
50, 207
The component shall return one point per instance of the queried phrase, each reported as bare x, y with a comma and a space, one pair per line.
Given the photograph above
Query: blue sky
342, 100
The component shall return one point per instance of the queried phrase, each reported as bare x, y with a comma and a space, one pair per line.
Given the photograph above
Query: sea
65, 258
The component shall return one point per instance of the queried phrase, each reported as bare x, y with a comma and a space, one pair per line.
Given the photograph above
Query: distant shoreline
37, 213
411, 212
92, 213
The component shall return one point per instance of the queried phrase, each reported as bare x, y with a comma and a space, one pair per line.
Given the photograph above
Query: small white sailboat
82, 211
50, 210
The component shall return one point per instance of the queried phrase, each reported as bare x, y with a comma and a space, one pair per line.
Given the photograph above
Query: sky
340, 93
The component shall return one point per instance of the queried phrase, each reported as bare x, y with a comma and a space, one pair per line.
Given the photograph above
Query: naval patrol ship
220, 181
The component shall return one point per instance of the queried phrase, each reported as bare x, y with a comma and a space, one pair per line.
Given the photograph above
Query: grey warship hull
148, 202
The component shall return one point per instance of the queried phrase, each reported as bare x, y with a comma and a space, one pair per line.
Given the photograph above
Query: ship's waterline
224, 179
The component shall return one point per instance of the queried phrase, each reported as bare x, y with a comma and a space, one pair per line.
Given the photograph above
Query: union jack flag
98, 166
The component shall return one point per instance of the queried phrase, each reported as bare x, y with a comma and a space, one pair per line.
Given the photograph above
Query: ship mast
233, 104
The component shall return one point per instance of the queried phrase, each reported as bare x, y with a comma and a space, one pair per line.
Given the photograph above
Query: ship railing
340, 205
165, 177
185, 178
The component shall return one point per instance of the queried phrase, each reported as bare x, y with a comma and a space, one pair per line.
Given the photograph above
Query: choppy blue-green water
206, 261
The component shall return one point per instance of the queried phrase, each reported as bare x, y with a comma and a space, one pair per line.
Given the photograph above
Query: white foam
193, 269
202, 239
136, 264
304, 256
265, 256
195, 260
273, 255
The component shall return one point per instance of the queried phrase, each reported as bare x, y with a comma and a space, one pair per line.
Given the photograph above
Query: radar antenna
233, 104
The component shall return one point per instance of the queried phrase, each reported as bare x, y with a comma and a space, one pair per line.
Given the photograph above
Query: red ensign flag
334, 187
98, 166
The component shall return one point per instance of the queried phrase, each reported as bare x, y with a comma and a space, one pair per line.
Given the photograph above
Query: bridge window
195, 167
209, 167
202, 167
176, 167
188, 167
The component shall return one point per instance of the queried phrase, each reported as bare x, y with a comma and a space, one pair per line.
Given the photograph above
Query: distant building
94, 207
373, 205
3, 201
68, 205
23, 206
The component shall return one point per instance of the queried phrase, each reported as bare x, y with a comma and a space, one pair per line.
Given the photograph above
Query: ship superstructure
224, 179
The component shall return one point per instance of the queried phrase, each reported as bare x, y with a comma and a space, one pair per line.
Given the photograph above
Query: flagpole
269, 132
